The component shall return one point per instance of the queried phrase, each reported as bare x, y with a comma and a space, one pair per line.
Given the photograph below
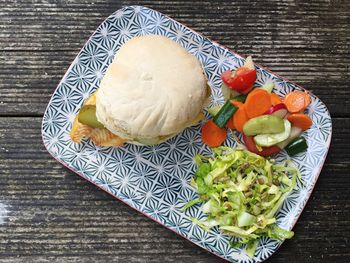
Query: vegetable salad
241, 193
268, 122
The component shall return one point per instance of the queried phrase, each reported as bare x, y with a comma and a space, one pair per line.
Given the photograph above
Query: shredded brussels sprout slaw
241, 193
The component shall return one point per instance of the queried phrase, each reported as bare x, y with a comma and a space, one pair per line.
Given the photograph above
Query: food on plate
242, 79
270, 139
241, 193
263, 124
226, 111
296, 101
87, 115
100, 136
151, 91
240, 117
257, 103
275, 99
279, 110
268, 122
300, 120
260, 150
213, 135
296, 146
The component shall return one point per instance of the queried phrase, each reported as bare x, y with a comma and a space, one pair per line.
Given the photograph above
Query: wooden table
48, 214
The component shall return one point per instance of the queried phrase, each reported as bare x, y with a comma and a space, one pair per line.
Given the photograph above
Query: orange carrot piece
300, 120
213, 135
240, 118
237, 103
257, 103
275, 99
296, 101
230, 124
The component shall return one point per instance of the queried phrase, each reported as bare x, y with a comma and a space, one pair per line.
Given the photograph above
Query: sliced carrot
240, 118
212, 135
300, 120
257, 103
230, 124
275, 99
237, 103
296, 101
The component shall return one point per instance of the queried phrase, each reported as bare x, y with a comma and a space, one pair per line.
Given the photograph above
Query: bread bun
151, 91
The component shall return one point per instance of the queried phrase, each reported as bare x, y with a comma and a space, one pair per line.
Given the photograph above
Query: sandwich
152, 90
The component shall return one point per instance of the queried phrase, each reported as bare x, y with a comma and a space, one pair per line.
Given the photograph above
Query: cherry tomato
266, 151
241, 80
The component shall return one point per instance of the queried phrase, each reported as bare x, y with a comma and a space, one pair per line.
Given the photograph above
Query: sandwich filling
152, 90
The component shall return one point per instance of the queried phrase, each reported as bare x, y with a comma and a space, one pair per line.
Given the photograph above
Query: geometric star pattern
155, 179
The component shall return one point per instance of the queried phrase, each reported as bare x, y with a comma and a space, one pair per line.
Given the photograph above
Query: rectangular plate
154, 180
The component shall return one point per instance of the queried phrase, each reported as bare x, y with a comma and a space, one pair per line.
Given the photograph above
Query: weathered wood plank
55, 215
307, 43
274, 23
37, 75
52, 215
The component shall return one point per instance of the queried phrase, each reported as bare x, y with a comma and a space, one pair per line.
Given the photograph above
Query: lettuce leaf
241, 193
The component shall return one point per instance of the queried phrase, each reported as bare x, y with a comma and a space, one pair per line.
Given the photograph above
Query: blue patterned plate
155, 180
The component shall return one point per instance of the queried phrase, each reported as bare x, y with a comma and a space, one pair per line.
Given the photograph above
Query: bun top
153, 88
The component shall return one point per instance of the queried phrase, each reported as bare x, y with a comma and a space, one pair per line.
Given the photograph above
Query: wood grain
307, 43
55, 214
52, 215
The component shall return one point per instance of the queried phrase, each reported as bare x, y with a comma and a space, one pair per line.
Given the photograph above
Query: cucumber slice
225, 113
240, 98
265, 124
267, 140
297, 146
227, 92
214, 110
87, 115
294, 133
